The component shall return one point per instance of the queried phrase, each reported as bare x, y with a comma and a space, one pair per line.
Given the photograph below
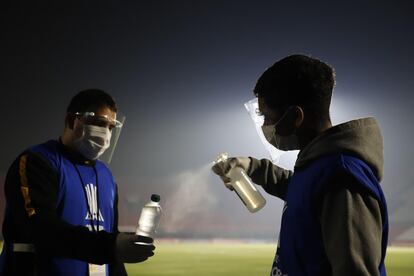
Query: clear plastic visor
252, 108
114, 125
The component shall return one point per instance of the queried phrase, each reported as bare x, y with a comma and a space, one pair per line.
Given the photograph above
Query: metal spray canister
243, 186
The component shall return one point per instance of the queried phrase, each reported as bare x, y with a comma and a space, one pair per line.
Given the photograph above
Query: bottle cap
155, 198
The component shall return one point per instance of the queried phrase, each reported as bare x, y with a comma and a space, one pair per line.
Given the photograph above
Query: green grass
202, 259
400, 261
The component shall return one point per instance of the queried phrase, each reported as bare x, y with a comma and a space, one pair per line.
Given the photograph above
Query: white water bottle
150, 217
244, 187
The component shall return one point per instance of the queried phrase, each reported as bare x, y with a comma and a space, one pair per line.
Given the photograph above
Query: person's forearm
272, 178
52, 236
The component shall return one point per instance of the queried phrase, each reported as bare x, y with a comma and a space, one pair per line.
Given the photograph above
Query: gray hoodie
350, 217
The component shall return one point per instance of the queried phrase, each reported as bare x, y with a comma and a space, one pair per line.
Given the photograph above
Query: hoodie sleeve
351, 228
272, 178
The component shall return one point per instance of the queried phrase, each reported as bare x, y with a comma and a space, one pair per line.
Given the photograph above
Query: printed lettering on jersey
276, 271
91, 193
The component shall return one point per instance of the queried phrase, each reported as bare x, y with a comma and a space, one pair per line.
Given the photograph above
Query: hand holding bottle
224, 164
233, 173
131, 248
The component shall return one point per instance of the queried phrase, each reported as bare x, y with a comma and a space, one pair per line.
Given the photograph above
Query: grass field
241, 259
202, 259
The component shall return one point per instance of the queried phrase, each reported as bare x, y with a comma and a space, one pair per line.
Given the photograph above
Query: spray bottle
243, 186
150, 217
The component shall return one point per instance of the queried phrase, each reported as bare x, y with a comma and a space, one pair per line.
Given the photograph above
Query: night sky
181, 71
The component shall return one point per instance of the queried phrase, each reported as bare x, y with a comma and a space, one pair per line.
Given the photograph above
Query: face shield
252, 107
114, 125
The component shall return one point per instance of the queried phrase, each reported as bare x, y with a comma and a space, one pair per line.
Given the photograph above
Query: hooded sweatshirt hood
361, 138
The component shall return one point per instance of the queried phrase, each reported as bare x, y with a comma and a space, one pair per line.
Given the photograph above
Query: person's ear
300, 116
70, 120
291, 121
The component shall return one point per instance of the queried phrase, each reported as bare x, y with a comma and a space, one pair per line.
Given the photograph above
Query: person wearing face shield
335, 219
61, 201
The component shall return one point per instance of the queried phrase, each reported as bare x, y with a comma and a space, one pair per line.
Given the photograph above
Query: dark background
181, 71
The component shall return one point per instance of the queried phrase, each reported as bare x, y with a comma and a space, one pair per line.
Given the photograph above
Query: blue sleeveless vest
77, 207
300, 250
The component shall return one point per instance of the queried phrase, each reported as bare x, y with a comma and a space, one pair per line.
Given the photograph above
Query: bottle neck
153, 204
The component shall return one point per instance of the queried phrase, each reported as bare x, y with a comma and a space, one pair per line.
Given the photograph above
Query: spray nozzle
221, 157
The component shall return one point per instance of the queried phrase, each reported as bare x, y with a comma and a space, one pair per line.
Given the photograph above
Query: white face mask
269, 133
284, 143
94, 141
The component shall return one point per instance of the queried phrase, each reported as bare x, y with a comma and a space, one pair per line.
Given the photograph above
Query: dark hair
298, 80
89, 99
